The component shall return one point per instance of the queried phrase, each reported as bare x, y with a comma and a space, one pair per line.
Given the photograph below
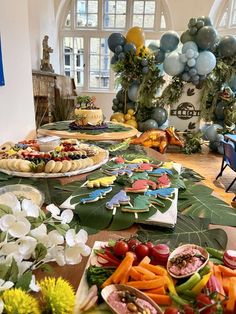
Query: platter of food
120, 272
61, 159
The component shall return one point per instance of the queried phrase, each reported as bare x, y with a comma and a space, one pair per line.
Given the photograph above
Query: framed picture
2, 82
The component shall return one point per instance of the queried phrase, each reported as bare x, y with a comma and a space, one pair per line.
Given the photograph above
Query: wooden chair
229, 159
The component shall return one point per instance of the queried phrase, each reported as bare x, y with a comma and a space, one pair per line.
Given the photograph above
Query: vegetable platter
210, 289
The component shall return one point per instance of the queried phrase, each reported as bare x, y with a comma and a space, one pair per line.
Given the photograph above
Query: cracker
50, 166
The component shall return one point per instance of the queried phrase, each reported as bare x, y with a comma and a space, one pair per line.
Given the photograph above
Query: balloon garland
199, 56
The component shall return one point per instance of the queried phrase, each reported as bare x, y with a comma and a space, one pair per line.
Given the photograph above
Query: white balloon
172, 64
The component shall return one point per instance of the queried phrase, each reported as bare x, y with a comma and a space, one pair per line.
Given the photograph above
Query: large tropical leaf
191, 175
187, 230
197, 200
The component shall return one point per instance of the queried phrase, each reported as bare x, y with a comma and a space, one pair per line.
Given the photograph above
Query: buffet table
74, 273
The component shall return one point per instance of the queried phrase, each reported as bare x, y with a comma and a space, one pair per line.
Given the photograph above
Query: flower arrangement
29, 239
86, 102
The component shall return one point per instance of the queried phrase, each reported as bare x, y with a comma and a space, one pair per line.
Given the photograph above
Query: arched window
226, 15
86, 26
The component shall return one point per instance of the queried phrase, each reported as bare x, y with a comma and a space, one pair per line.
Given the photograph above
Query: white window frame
99, 32
231, 6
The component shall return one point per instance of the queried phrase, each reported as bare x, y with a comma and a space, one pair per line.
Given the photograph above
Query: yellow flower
58, 296
17, 301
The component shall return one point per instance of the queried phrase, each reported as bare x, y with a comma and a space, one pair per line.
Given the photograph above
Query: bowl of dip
186, 259
123, 299
48, 143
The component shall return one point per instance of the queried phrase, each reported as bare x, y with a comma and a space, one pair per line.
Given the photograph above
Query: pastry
103, 181
95, 195
141, 186
118, 199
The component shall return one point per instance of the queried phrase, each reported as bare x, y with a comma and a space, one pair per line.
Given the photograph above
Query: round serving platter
58, 174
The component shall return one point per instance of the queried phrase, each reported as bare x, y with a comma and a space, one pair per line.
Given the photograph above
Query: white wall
42, 21
16, 97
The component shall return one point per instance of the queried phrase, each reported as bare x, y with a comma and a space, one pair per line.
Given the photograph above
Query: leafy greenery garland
172, 93
130, 69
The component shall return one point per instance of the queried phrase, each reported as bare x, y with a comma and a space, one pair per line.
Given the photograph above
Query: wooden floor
208, 165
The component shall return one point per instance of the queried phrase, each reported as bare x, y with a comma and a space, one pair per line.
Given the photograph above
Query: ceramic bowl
23, 191
180, 251
109, 289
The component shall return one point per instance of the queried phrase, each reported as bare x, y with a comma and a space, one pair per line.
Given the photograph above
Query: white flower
72, 255
39, 233
55, 238
26, 246
11, 200
56, 254
65, 217
5, 285
54, 210
16, 225
10, 248
72, 238
33, 286
23, 266
29, 208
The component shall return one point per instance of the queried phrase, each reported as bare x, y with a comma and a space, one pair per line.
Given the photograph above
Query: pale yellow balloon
136, 36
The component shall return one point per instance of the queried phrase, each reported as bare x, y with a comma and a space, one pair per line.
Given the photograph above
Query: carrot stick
145, 260
226, 271
147, 273
225, 283
148, 284
122, 269
230, 304
134, 274
156, 269
160, 299
160, 290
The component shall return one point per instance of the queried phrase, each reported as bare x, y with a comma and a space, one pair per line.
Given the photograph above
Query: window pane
79, 78
149, 21
109, 21
94, 45
81, 20
139, 7
149, 7
92, 20
120, 21
109, 6
94, 62
68, 42
121, 7
68, 20
234, 18
138, 20
94, 79
92, 6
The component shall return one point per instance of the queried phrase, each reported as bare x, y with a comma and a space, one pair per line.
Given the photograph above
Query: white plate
83, 288
55, 175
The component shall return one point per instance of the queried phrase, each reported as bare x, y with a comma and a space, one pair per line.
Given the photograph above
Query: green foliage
130, 69
197, 201
187, 230
193, 142
172, 92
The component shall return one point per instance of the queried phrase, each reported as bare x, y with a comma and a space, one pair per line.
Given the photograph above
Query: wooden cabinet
48, 89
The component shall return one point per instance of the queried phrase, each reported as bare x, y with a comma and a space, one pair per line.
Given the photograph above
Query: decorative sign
187, 111
2, 82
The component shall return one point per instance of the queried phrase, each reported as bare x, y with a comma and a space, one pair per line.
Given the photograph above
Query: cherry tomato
141, 250
204, 300
150, 245
120, 248
132, 243
171, 310
188, 309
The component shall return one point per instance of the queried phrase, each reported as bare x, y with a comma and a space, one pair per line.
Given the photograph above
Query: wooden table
73, 273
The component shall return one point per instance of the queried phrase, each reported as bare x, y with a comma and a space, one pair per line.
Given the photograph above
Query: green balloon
159, 114
150, 124
206, 37
227, 46
186, 36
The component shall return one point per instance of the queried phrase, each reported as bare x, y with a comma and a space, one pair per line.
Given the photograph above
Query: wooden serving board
101, 136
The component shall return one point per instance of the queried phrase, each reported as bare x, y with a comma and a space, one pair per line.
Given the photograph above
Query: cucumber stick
190, 283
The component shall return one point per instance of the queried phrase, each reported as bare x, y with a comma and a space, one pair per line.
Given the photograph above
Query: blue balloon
145, 70
160, 56
169, 41
114, 59
160, 115
164, 125
133, 91
232, 83
153, 46
130, 47
189, 53
211, 132
189, 45
219, 110
121, 56
172, 64
114, 40
205, 62
118, 49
